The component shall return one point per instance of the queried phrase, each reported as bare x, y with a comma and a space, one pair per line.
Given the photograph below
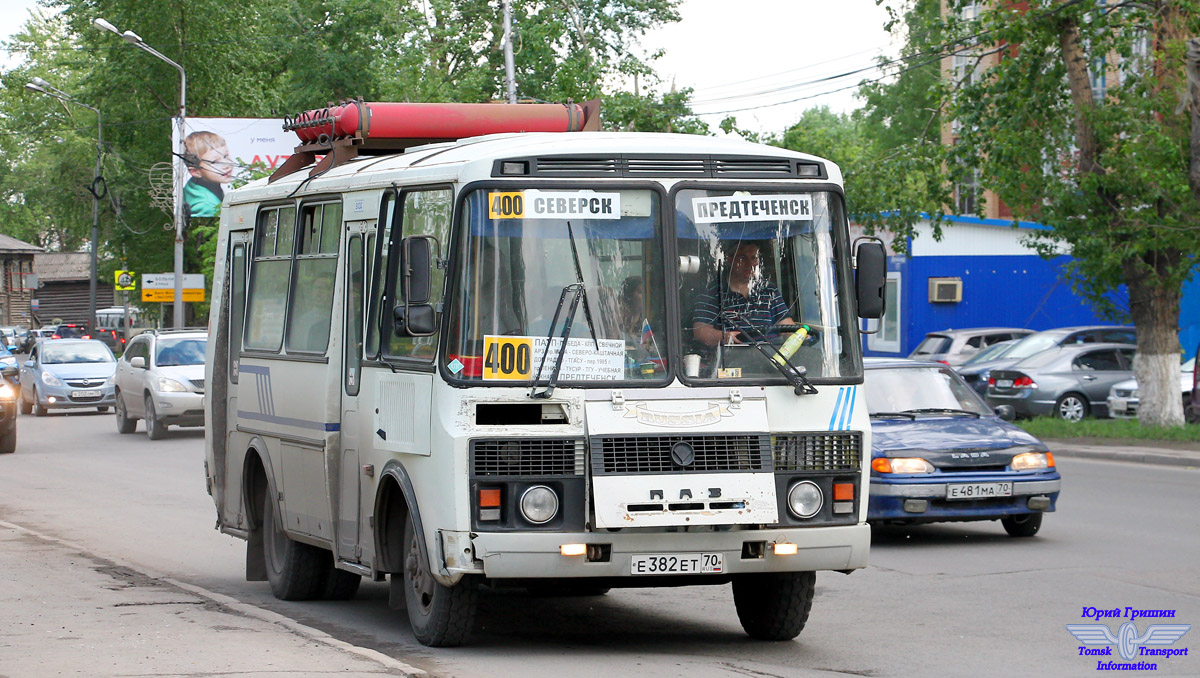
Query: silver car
1123, 397
954, 347
67, 374
160, 379
1068, 382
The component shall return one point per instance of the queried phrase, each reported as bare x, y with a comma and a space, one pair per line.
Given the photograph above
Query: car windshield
518, 270
1034, 343
933, 343
905, 389
755, 267
76, 352
993, 352
175, 352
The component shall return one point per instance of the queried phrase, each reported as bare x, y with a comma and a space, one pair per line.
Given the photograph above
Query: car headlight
49, 379
901, 465
539, 504
166, 385
9, 360
805, 499
1032, 461
7, 392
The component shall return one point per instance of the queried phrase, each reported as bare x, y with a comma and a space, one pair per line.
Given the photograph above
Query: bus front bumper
538, 555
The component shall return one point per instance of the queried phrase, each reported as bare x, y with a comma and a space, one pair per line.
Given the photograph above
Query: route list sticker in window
516, 358
534, 204
797, 207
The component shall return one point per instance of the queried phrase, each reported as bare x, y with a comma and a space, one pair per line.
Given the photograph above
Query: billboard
219, 152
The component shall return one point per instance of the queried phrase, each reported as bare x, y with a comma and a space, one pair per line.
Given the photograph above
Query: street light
180, 176
43, 87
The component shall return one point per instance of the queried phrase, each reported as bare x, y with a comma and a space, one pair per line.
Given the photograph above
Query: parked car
1123, 396
8, 411
160, 379
67, 373
939, 453
7, 360
1068, 382
954, 347
10, 339
970, 370
977, 373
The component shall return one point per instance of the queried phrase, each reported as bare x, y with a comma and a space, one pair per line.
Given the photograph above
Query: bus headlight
539, 504
805, 499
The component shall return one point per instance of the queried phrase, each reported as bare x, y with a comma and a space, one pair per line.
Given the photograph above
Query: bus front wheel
296, 571
774, 606
441, 616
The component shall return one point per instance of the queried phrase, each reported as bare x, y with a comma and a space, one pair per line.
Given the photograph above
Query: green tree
1106, 167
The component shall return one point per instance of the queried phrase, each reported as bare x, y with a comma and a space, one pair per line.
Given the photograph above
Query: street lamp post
179, 172
39, 85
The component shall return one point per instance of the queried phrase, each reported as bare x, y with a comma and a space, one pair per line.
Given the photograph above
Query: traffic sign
125, 280
161, 287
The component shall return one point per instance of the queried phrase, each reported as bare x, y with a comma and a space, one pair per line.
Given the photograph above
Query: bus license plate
979, 490
678, 563
85, 394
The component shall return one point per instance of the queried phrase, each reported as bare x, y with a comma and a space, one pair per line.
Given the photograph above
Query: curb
1127, 456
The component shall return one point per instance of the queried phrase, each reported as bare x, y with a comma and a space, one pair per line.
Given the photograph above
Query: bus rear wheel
296, 571
774, 606
441, 616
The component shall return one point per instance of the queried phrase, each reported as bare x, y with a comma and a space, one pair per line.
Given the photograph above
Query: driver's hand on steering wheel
731, 337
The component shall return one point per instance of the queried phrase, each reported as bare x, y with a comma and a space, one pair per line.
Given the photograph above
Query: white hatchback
1123, 397
160, 379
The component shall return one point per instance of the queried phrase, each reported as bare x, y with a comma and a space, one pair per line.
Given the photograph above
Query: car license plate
1004, 383
678, 563
85, 394
978, 490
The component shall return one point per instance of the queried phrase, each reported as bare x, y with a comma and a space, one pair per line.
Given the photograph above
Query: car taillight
87, 336
1023, 382
991, 381
55, 336
122, 340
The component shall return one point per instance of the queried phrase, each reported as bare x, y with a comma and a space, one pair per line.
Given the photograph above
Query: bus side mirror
414, 316
870, 276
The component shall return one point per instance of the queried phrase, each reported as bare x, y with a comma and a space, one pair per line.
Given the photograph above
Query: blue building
982, 275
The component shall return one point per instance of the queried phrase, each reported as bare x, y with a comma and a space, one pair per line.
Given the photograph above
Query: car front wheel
39, 410
155, 429
1071, 407
26, 407
1025, 525
124, 423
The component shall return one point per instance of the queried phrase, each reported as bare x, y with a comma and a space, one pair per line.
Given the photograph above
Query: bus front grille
527, 457
625, 455
817, 451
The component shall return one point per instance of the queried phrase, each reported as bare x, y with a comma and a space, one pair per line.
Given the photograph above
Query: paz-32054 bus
458, 354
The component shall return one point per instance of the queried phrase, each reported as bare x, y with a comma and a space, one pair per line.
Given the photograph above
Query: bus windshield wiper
578, 291
795, 374
941, 410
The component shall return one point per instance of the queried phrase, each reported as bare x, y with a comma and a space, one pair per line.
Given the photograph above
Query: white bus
558, 361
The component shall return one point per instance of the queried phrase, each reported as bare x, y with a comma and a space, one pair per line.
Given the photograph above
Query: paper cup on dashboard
691, 365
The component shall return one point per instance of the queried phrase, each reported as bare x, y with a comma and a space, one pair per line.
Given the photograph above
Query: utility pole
509, 70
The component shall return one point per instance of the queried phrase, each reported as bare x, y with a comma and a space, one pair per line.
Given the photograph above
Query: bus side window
354, 315
424, 213
267, 300
377, 274
237, 310
313, 280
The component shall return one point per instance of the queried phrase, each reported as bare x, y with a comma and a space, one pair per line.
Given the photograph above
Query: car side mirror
29, 364
870, 275
138, 362
1006, 412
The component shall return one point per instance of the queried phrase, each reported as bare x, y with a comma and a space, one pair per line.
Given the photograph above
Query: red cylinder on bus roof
436, 121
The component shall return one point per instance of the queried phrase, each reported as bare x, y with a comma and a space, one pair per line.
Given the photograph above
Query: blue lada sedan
940, 454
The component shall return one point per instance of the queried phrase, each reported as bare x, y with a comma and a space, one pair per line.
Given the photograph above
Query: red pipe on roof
434, 121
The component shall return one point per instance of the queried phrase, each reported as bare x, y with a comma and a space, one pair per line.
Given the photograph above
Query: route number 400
507, 357
506, 205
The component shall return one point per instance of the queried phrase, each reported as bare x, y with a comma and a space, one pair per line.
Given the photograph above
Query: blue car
940, 454
7, 361
67, 373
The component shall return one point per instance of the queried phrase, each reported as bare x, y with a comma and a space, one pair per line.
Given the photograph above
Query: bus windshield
760, 266
521, 256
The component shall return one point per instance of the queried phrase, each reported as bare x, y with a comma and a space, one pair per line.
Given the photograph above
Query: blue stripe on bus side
848, 409
836, 406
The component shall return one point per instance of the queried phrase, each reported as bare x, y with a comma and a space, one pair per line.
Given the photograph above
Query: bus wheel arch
256, 484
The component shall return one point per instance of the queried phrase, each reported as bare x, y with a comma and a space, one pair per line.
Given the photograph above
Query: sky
735, 55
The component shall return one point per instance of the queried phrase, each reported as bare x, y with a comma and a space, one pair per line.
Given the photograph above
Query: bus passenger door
224, 394
359, 241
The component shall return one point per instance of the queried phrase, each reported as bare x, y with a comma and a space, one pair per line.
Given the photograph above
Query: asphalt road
937, 600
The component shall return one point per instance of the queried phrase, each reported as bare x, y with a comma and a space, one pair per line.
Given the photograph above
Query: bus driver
744, 301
